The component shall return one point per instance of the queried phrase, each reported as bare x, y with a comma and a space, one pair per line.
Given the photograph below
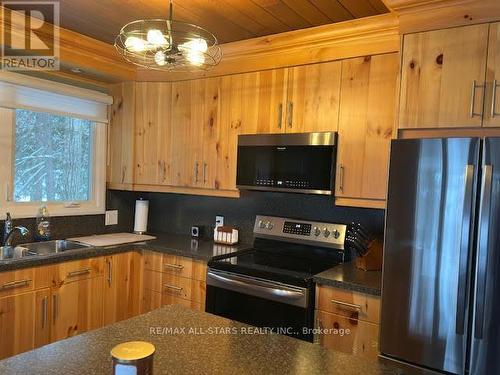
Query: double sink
39, 248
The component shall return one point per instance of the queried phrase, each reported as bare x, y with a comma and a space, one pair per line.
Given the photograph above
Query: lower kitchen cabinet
122, 286
77, 307
170, 279
347, 335
18, 330
347, 321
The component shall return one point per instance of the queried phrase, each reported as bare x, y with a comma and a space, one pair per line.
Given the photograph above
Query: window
52, 147
52, 158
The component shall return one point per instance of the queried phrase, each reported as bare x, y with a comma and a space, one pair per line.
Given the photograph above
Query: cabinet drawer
78, 270
348, 303
176, 265
15, 282
185, 267
167, 299
175, 286
347, 335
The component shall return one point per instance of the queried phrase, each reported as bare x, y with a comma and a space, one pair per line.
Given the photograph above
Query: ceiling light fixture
165, 44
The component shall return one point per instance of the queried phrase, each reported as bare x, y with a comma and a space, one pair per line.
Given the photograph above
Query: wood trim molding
424, 15
366, 36
362, 203
175, 189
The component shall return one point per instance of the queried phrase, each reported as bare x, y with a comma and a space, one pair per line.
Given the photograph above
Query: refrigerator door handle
483, 242
464, 251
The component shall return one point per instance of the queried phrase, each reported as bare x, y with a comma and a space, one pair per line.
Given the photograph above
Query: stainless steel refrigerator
441, 274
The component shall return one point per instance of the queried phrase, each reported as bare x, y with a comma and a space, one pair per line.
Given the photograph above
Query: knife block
372, 260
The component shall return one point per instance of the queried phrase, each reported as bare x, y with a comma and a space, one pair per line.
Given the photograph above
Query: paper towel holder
141, 216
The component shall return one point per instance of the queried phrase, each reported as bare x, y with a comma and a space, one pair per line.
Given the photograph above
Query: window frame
94, 206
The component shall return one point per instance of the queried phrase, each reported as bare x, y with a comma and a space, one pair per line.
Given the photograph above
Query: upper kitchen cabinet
292, 100
152, 133
366, 123
120, 160
259, 101
492, 100
313, 98
443, 76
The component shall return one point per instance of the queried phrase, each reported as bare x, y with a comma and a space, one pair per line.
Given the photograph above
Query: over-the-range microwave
300, 163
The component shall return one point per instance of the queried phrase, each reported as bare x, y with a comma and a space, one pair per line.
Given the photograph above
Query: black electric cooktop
285, 262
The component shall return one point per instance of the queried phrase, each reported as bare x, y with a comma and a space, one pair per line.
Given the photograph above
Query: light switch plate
219, 221
111, 217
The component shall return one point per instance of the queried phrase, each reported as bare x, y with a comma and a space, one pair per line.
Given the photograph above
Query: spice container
133, 358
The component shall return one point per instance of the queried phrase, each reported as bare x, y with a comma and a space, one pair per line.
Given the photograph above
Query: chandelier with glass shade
165, 44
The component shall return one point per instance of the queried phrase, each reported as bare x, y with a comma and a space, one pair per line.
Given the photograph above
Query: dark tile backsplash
176, 213
71, 226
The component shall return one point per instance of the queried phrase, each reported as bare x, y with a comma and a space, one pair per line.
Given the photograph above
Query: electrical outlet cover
111, 217
219, 221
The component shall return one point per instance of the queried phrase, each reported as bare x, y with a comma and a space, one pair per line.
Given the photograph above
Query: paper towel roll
141, 216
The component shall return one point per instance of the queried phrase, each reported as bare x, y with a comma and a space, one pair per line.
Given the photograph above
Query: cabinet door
229, 128
262, 101
186, 137
348, 335
122, 287
120, 168
365, 128
152, 133
438, 73
17, 324
492, 96
77, 307
42, 317
313, 98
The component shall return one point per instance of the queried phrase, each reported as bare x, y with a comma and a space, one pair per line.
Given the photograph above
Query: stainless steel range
270, 285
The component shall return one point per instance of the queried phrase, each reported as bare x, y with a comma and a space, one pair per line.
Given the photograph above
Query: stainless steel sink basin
39, 248
51, 247
12, 252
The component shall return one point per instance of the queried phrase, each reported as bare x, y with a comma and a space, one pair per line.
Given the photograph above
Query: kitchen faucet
8, 238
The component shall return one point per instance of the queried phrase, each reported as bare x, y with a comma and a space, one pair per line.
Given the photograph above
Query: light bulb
135, 44
195, 45
156, 38
196, 58
160, 58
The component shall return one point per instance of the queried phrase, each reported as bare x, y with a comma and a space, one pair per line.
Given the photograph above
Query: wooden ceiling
229, 20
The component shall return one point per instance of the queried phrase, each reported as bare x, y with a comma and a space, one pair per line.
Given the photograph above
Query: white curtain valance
20, 91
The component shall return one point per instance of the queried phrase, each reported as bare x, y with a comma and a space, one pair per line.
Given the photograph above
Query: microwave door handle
464, 250
483, 247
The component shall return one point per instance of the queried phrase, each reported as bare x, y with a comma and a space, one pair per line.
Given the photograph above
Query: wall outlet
219, 221
111, 217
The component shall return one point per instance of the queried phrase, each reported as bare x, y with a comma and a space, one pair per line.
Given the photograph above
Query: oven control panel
303, 231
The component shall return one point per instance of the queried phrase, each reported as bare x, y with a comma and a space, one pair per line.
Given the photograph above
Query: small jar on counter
133, 358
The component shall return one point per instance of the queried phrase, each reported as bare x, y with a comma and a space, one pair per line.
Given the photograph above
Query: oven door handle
259, 288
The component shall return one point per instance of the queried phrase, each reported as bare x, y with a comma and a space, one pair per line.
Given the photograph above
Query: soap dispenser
42, 232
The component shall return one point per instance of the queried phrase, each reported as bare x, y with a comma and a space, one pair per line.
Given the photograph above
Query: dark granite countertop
347, 276
196, 345
183, 245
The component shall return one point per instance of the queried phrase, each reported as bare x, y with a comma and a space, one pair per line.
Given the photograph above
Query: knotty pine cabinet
44, 304
347, 321
448, 78
366, 125
122, 286
171, 279
120, 155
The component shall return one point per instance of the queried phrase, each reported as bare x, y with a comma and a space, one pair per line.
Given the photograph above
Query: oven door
285, 309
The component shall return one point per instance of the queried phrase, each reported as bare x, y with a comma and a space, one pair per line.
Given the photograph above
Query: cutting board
112, 239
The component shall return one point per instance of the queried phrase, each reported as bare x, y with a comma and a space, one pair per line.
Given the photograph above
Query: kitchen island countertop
191, 342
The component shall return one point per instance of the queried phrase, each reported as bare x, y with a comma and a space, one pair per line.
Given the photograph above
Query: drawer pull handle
79, 272
44, 311
172, 287
346, 304
16, 284
174, 266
